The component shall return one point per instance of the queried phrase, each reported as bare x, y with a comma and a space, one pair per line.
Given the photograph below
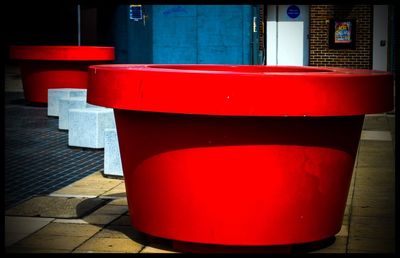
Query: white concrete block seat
87, 125
92, 106
112, 157
65, 104
54, 96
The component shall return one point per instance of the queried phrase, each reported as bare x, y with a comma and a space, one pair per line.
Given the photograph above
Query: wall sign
135, 12
293, 11
342, 34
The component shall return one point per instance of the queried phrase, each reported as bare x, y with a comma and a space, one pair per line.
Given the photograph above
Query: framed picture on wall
342, 34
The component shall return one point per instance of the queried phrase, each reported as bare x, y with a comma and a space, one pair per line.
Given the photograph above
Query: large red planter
49, 67
238, 155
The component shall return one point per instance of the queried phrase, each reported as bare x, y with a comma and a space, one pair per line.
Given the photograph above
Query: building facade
255, 34
223, 34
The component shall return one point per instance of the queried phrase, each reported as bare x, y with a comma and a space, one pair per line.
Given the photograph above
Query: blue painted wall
132, 39
174, 34
187, 34
202, 34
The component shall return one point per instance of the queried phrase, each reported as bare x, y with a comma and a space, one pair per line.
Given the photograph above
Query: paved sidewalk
103, 226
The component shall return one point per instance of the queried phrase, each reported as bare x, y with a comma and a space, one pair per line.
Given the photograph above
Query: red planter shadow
238, 155
49, 67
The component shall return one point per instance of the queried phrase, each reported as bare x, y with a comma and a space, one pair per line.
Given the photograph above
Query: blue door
186, 34
202, 34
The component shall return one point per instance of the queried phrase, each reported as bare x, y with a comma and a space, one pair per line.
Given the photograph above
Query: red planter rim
241, 90
62, 53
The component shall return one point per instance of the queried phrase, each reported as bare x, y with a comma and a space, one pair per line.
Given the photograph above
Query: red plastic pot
49, 67
238, 155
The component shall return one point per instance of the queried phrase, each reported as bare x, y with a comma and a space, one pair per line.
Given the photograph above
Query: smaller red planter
49, 67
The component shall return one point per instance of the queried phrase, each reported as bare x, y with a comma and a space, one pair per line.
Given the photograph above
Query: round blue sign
293, 11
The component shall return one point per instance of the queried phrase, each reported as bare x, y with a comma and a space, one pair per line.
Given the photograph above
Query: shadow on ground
177, 246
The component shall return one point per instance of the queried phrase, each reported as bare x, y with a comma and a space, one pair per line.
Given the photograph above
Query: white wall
380, 33
287, 38
271, 35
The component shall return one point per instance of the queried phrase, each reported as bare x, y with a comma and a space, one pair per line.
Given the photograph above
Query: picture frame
342, 34
135, 12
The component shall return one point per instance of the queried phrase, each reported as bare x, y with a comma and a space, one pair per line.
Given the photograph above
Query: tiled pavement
368, 225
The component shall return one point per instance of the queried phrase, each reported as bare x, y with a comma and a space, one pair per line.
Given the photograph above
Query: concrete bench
54, 96
65, 104
87, 125
112, 157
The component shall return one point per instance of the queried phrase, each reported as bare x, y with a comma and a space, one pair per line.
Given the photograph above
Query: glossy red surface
242, 90
50, 67
201, 169
62, 53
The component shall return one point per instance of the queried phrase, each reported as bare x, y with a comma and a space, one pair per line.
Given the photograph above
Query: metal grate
38, 160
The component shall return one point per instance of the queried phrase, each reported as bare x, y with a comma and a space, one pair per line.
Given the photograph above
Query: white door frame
380, 38
287, 40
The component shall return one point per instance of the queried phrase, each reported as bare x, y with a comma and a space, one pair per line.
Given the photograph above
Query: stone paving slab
375, 122
344, 231
122, 221
11, 238
117, 231
93, 185
156, 250
371, 245
67, 195
374, 147
117, 245
376, 135
159, 245
117, 191
385, 202
346, 220
391, 123
71, 221
78, 251
375, 175
17, 228
107, 184
100, 219
111, 209
79, 191
51, 242
113, 195
380, 160
25, 224
372, 227
62, 229
369, 211
56, 207
119, 201
18, 249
